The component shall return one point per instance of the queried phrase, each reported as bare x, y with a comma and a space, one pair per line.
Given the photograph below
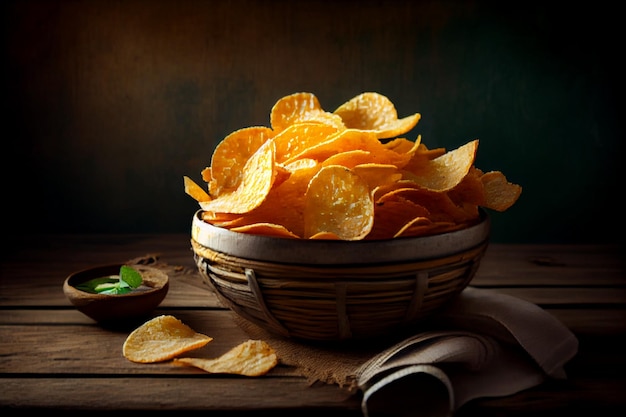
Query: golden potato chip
470, 190
250, 358
446, 171
284, 205
439, 204
403, 145
194, 190
349, 159
391, 214
338, 201
350, 140
301, 107
207, 176
256, 183
325, 236
422, 226
300, 164
500, 194
376, 113
231, 155
298, 137
160, 339
265, 229
377, 174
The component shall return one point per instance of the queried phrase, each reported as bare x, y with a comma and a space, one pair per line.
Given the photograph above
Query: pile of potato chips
346, 174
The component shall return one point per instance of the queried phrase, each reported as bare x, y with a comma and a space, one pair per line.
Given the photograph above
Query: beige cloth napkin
482, 345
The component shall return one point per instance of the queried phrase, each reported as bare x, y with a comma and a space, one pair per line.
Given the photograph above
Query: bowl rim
338, 252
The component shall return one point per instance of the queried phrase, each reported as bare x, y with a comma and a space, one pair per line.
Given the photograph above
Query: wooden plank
288, 396
575, 296
546, 265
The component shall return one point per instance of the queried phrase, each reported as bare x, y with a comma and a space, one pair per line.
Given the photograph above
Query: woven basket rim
338, 252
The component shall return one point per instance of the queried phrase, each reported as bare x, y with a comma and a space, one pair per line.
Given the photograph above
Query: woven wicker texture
336, 302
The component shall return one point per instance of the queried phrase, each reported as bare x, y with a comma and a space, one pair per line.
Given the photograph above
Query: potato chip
376, 113
393, 213
446, 171
325, 236
265, 229
439, 205
160, 339
377, 174
403, 145
250, 358
256, 183
338, 201
354, 139
349, 159
298, 137
284, 205
301, 107
194, 190
231, 155
300, 164
422, 226
500, 194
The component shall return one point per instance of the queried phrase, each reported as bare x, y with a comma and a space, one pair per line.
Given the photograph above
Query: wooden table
54, 358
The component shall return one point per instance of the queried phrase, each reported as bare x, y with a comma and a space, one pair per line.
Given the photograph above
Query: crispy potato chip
376, 113
265, 229
194, 190
250, 358
256, 182
470, 190
298, 108
403, 145
284, 205
349, 159
325, 236
391, 214
422, 226
160, 339
298, 137
446, 171
338, 201
500, 194
377, 174
350, 140
231, 155
300, 164
439, 205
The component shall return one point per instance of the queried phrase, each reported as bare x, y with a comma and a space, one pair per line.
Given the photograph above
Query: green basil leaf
130, 276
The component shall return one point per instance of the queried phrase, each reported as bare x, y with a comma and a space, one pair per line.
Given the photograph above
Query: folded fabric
486, 345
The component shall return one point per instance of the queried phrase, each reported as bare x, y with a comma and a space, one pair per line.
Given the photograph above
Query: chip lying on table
165, 337
347, 174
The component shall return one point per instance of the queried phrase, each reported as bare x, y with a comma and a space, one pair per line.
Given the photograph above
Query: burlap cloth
483, 344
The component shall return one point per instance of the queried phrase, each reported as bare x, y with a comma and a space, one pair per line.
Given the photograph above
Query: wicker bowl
336, 290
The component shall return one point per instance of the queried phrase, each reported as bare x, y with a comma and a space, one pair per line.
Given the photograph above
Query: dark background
107, 104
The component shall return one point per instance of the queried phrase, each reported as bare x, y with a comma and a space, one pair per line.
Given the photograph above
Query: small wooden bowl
113, 309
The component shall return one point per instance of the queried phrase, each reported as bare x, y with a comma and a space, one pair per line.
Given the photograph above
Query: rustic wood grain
53, 357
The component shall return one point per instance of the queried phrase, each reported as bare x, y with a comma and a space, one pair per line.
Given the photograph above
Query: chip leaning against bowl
332, 226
